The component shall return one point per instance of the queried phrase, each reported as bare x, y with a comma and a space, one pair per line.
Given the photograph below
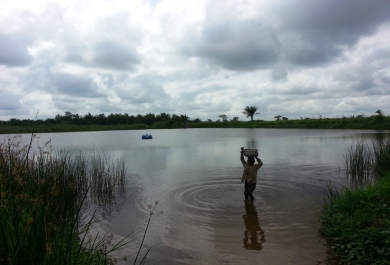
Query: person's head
251, 160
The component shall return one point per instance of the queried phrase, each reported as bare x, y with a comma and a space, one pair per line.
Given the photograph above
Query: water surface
195, 175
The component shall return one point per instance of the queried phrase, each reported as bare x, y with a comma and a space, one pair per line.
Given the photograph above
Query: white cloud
200, 58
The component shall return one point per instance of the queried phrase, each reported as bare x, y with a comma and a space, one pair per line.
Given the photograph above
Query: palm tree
250, 111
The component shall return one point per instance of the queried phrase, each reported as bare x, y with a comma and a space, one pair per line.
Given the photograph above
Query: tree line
165, 119
102, 119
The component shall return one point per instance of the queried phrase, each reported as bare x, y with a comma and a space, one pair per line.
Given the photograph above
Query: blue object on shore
147, 136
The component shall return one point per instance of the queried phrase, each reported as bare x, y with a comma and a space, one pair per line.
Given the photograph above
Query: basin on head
250, 152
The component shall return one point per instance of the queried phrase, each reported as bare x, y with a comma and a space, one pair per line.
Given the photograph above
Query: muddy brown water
194, 174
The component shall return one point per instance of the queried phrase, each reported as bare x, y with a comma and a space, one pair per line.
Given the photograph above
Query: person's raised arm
260, 163
242, 157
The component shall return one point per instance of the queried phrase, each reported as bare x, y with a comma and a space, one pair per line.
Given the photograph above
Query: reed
43, 193
381, 153
355, 219
366, 163
359, 162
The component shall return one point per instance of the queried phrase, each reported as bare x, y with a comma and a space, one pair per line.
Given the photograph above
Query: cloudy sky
203, 58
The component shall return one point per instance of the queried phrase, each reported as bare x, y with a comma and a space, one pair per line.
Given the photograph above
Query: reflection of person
250, 174
253, 235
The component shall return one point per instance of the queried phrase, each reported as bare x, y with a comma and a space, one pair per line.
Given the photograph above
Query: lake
195, 176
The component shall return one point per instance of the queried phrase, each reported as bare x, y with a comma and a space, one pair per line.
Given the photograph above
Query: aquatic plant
365, 163
355, 219
43, 193
382, 157
359, 164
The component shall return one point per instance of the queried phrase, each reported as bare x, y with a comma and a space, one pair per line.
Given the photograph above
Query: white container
250, 152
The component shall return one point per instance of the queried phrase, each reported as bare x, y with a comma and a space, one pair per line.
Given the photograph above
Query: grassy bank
42, 198
356, 220
374, 122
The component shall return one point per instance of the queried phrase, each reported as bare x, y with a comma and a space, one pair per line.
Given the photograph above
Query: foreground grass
42, 198
355, 220
356, 224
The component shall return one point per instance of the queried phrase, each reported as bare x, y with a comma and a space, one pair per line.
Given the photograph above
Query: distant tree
100, 118
223, 117
175, 117
250, 111
163, 116
184, 119
379, 117
235, 119
277, 117
209, 120
285, 118
379, 112
197, 120
58, 117
15, 122
149, 118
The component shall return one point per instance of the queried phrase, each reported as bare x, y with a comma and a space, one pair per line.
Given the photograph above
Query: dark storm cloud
309, 52
342, 21
13, 50
202, 58
315, 31
75, 85
302, 33
236, 45
116, 55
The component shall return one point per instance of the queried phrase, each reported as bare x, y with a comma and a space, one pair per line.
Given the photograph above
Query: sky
203, 58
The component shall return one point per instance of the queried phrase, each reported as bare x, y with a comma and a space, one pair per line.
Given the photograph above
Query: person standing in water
249, 174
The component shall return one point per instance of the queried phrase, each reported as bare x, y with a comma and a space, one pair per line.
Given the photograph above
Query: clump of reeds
42, 194
354, 219
359, 162
366, 163
381, 150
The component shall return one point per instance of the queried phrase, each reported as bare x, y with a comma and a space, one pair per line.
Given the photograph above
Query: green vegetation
356, 220
43, 195
76, 123
250, 111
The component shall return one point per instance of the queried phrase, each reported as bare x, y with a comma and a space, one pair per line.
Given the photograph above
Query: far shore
30, 126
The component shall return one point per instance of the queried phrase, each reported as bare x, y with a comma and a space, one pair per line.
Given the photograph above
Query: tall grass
43, 193
355, 220
366, 163
359, 162
382, 157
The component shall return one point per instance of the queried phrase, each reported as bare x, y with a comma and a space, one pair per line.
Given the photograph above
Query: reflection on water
195, 175
253, 234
